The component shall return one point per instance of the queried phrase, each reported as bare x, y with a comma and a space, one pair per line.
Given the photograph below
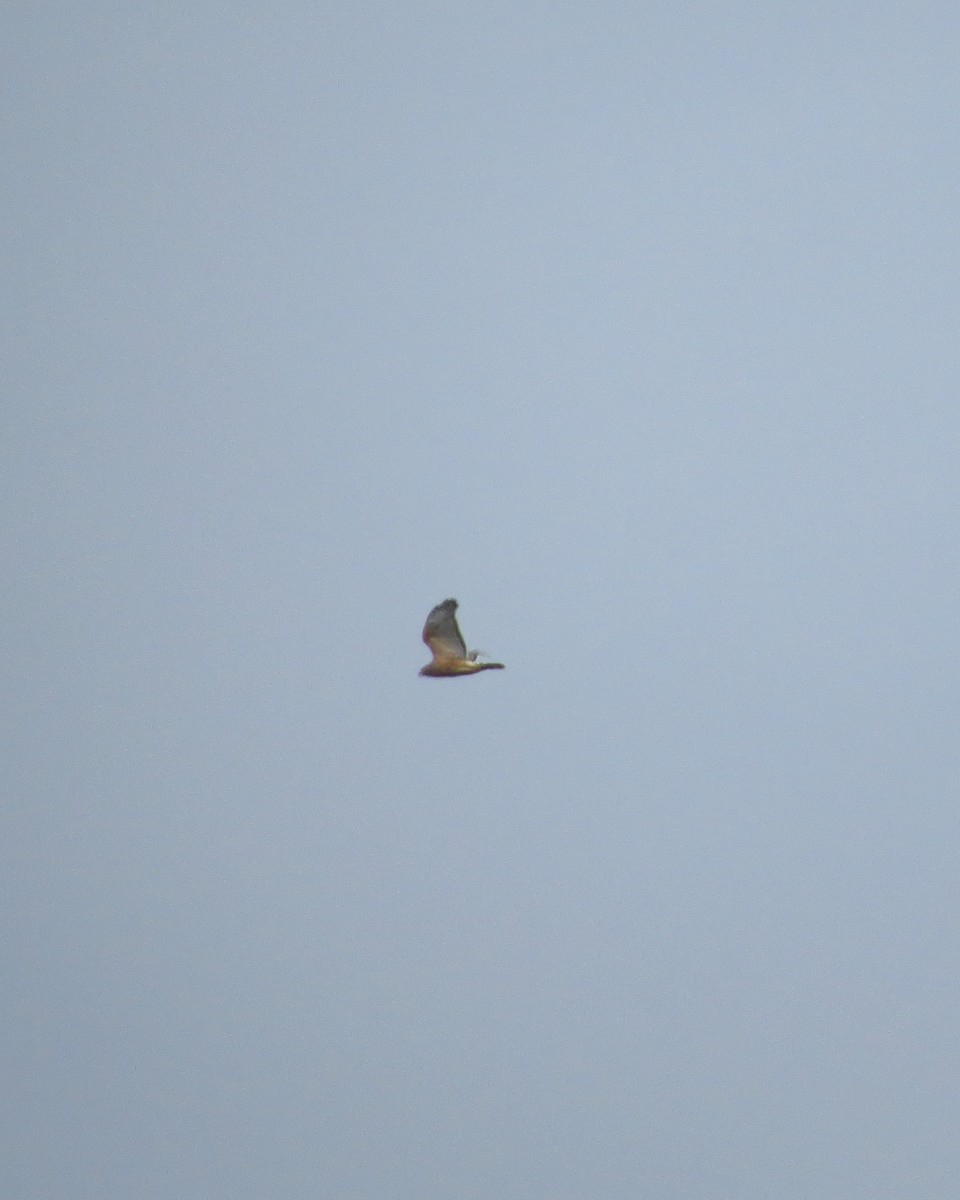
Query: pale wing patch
442, 634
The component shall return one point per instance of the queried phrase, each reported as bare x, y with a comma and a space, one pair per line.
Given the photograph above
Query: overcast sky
633, 326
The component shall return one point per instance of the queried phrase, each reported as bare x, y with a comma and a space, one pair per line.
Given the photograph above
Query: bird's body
445, 642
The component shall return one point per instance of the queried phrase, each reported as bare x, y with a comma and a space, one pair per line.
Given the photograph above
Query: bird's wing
442, 634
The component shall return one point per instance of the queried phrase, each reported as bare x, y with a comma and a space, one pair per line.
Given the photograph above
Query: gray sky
633, 327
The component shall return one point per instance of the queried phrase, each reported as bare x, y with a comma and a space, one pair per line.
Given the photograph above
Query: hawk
445, 641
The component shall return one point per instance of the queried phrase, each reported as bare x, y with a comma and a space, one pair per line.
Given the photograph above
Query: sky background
634, 326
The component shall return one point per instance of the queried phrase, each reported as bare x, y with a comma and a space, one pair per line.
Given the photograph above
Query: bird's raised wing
442, 634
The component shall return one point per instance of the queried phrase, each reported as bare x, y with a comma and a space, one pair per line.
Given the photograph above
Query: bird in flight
445, 641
